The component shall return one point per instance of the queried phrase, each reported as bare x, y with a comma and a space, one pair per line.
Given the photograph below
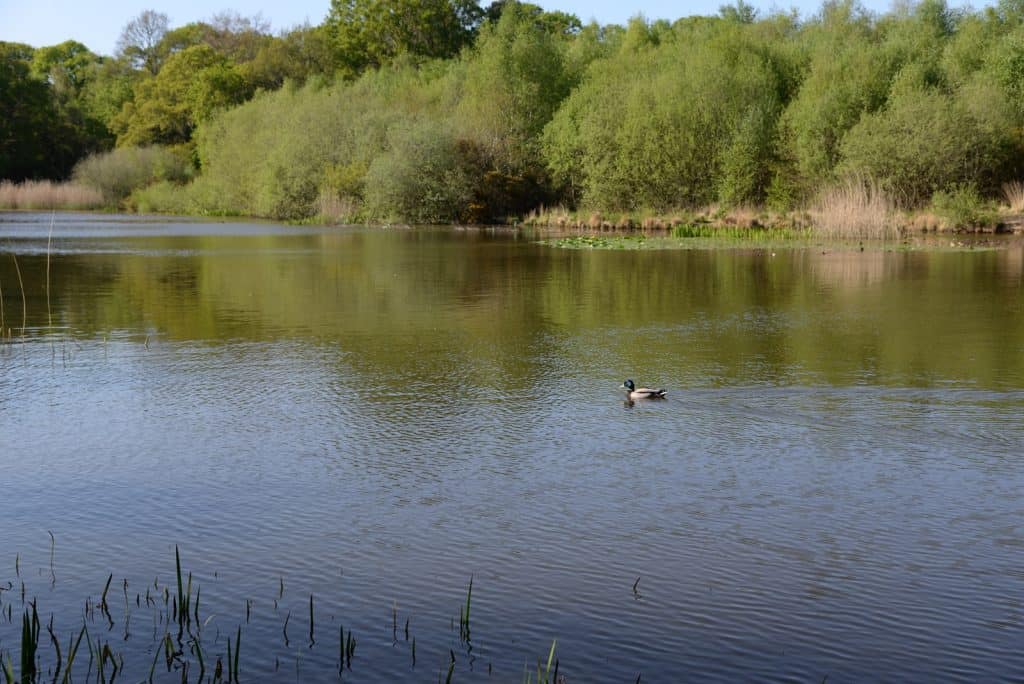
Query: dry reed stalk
1014, 194
49, 241
855, 209
334, 208
48, 195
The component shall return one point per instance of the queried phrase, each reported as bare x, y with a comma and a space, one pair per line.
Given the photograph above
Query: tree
140, 39
66, 66
555, 22
27, 116
44, 127
740, 12
370, 33
191, 85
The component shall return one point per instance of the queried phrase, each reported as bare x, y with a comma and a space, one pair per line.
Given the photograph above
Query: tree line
444, 110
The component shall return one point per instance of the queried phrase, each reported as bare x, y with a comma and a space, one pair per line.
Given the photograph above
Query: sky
97, 23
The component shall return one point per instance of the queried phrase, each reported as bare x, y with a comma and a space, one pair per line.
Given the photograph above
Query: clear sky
98, 23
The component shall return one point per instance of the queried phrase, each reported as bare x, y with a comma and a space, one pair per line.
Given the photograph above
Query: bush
419, 179
680, 123
288, 154
927, 141
163, 197
964, 207
116, 174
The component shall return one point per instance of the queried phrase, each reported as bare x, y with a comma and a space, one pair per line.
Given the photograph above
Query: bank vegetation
436, 111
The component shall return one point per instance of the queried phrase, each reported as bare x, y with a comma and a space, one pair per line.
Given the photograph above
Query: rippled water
833, 487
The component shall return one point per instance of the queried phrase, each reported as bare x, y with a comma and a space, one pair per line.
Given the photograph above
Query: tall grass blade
181, 596
551, 657
56, 647
238, 650
24, 319
106, 588
72, 651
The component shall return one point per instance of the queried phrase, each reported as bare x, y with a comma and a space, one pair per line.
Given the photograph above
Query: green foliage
674, 122
847, 75
926, 141
419, 178
299, 54
372, 33
276, 154
964, 207
190, 86
67, 66
44, 129
119, 172
446, 111
514, 81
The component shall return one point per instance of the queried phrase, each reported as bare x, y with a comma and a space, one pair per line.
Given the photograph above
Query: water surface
372, 416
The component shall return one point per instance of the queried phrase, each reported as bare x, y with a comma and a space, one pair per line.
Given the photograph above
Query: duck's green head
629, 385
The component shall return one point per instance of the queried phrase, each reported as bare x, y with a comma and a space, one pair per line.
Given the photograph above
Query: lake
366, 418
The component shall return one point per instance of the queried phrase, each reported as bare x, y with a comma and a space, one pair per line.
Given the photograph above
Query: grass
49, 195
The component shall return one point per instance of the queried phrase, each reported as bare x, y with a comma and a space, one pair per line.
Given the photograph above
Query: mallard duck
635, 392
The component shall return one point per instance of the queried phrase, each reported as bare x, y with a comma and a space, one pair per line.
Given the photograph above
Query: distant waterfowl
634, 392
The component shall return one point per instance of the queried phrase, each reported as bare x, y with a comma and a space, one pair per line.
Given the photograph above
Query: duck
634, 392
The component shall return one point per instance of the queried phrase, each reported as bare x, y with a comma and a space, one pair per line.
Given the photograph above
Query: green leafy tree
370, 33
674, 123
191, 85
44, 126
28, 117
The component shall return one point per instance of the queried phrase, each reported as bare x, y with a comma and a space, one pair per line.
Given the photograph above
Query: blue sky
98, 24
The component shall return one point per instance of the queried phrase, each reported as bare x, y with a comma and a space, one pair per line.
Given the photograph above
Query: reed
190, 657
48, 195
857, 208
350, 649
56, 647
1013, 193
49, 240
29, 643
464, 613
24, 319
238, 650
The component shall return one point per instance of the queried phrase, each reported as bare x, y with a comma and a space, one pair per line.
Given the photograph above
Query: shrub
680, 123
964, 207
163, 197
419, 178
926, 141
116, 174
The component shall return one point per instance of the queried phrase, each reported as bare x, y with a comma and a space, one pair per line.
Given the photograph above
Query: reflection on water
832, 487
